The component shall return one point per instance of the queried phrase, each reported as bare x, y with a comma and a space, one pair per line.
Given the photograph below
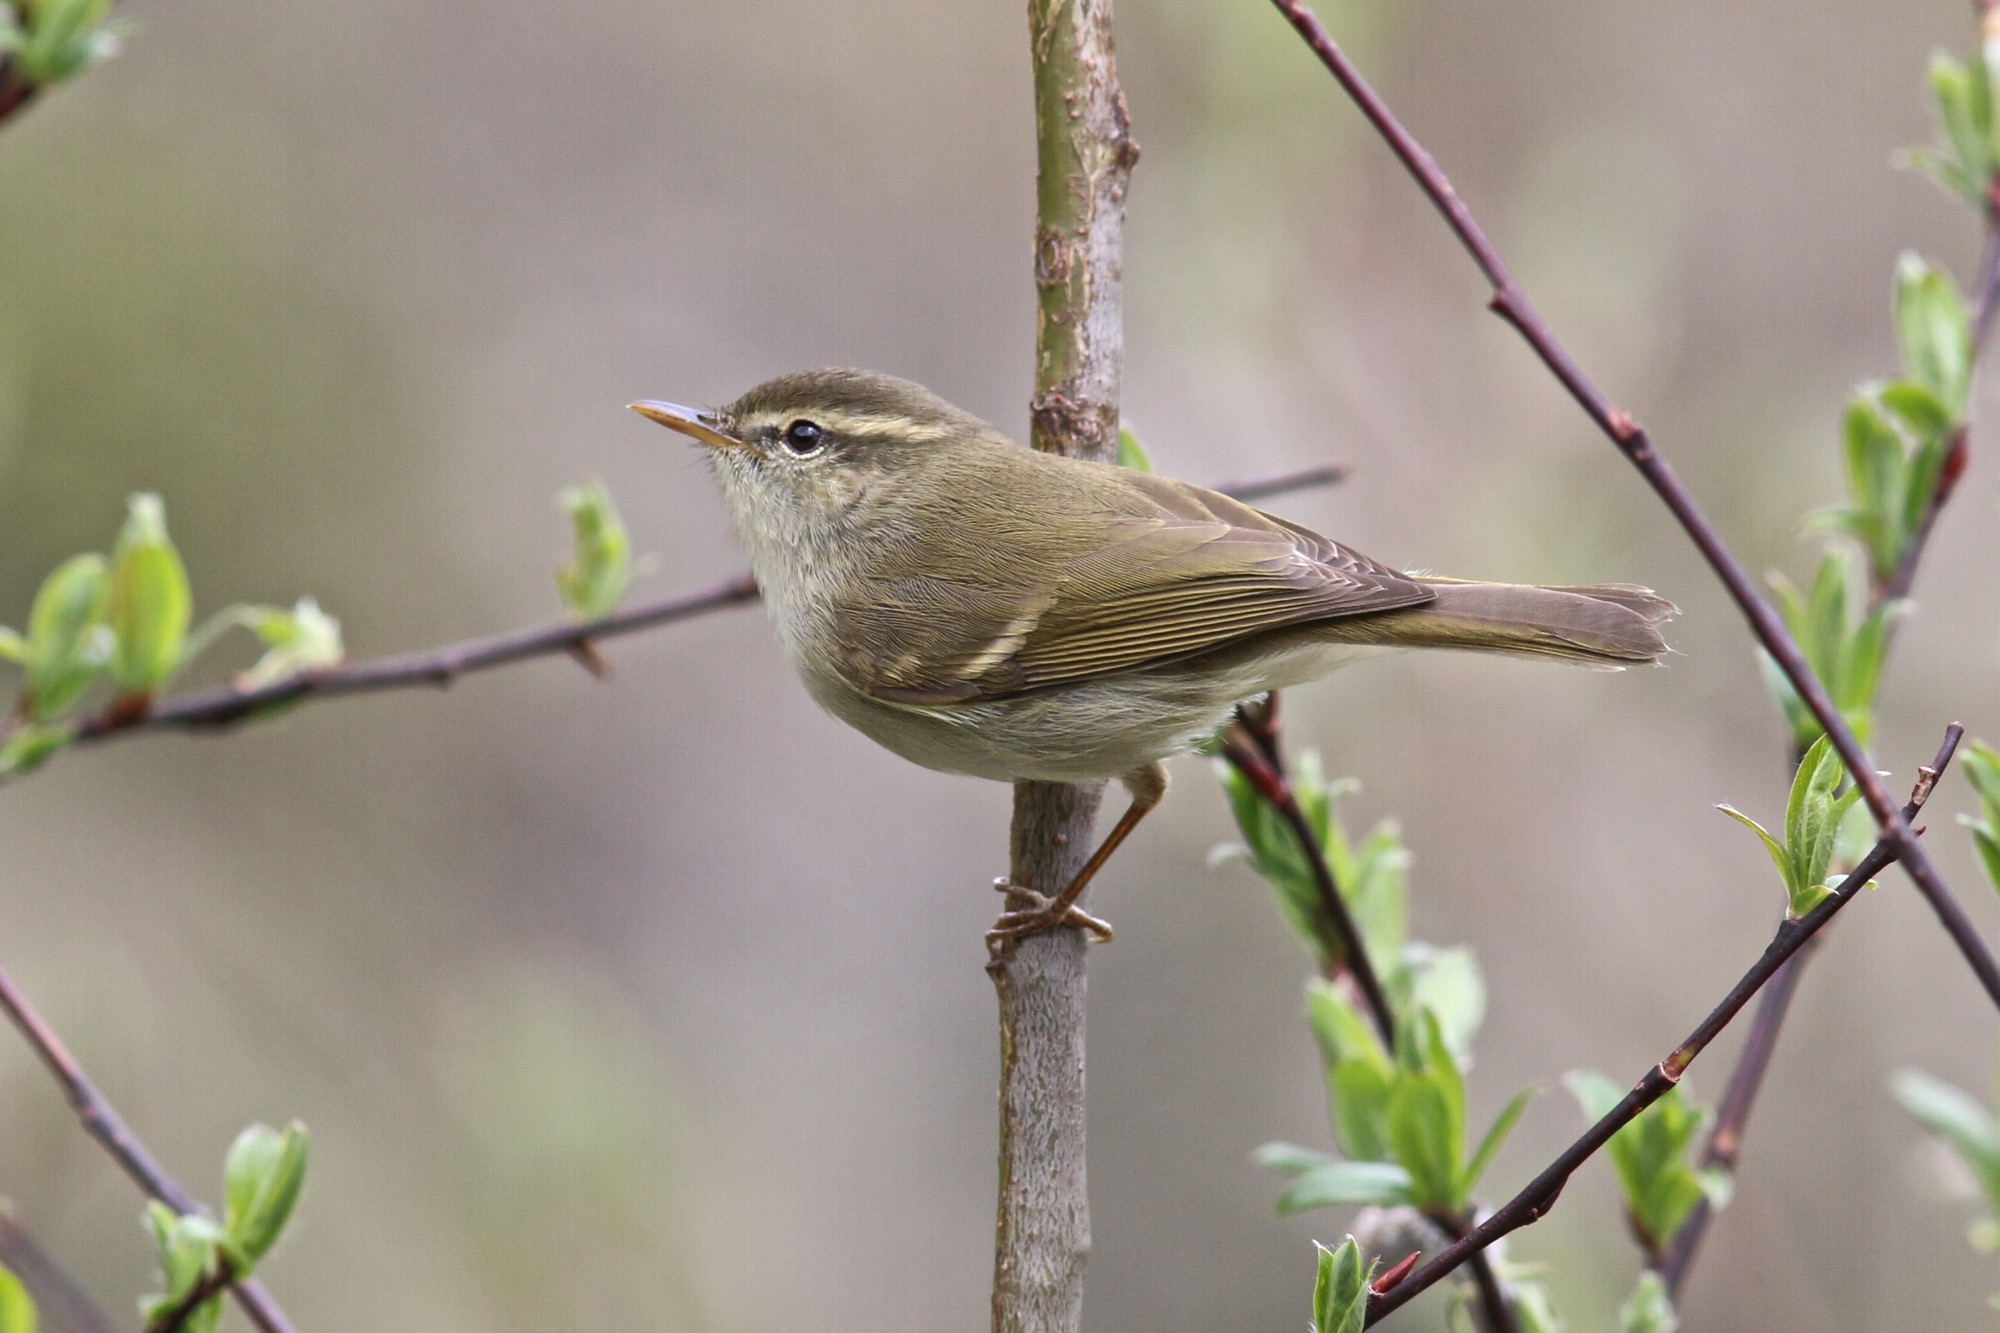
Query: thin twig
103, 1123
206, 1288
1511, 303
1541, 1193
1725, 1140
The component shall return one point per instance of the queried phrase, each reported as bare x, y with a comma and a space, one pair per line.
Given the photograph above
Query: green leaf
1447, 982
1338, 1183
68, 646
17, 1307
1951, 91
600, 568
150, 606
1503, 1125
1340, 1291
1981, 766
1956, 1117
297, 641
1779, 856
262, 1178
13, 648
1984, 840
1290, 1159
1934, 329
1426, 1114
1131, 453
61, 37
1812, 819
30, 745
1649, 1309
1650, 1156
1534, 1310
1872, 450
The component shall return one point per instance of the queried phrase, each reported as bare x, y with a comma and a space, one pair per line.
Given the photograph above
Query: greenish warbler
982, 608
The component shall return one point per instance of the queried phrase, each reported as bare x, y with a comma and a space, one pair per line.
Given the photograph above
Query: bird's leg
1148, 786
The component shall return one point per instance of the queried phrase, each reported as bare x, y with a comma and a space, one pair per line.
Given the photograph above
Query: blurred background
659, 1004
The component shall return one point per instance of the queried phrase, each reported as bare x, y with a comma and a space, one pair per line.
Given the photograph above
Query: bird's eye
804, 437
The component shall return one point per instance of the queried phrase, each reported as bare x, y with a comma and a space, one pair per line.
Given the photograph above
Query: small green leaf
1289, 1159
1340, 1291
1131, 453
262, 1178
600, 567
1984, 840
1534, 1310
1503, 1125
1981, 766
30, 745
297, 641
1779, 856
1649, 1309
1338, 1183
61, 37
13, 648
1957, 1118
150, 606
68, 646
1426, 1114
1934, 330
1447, 982
1951, 91
17, 1307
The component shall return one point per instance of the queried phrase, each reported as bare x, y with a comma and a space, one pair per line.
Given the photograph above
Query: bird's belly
1082, 732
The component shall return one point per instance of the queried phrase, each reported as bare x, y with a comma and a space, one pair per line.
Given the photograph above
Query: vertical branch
1085, 154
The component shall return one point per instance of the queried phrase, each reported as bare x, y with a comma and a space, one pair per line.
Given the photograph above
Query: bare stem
103, 1123
1541, 1193
1511, 303
1084, 154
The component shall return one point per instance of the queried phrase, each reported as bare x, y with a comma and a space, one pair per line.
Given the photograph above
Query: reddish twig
1340, 939
1511, 303
1725, 1140
210, 1285
1541, 1193
103, 1123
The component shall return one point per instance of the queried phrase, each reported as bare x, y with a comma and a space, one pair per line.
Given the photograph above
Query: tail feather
1609, 625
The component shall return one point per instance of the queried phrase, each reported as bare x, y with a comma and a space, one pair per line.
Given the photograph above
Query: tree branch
103, 1123
1511, 303
1084, 153
1541, 1193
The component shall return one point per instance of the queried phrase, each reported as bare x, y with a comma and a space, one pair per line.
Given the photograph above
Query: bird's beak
689, 422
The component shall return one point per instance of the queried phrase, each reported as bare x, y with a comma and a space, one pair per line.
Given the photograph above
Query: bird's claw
1018, 924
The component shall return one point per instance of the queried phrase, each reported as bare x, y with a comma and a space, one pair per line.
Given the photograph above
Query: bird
980, 607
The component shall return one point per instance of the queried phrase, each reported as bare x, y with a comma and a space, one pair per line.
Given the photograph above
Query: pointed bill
688, 421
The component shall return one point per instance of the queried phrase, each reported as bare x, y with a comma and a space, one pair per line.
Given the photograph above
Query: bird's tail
1611, 625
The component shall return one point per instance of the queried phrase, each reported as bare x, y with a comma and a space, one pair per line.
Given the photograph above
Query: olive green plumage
983, 608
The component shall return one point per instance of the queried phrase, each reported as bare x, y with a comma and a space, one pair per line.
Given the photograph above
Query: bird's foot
1044, 913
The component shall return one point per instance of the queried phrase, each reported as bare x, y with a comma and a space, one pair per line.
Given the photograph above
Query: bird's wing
1180, 572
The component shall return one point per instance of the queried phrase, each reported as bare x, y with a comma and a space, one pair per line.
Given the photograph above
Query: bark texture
1085, 156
